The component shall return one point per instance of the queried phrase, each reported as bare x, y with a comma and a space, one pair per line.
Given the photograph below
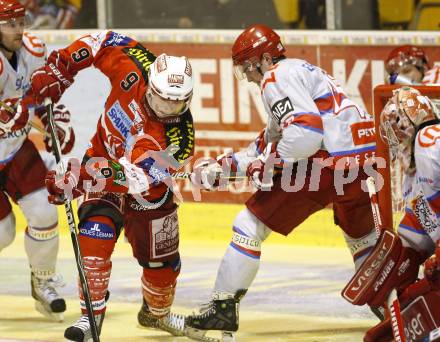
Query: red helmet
404, 55
10, 9
253, 42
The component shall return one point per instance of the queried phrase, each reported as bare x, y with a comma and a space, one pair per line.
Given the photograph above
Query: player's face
12, 33
165, 108
408, 74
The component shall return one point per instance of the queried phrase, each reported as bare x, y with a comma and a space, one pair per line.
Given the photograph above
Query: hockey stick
71, 222
232, 177
392, 300
30, 123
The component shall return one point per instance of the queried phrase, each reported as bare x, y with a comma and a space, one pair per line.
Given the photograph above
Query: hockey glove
14, 115
64, 186
52, 79
260, 171
65, 132
207, 174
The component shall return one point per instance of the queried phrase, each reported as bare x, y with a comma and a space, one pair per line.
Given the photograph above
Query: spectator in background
409, 65
53, 14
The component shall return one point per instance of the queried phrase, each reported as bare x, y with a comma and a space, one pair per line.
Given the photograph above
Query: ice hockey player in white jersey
22, 170
410, 126
409, 65
315, 136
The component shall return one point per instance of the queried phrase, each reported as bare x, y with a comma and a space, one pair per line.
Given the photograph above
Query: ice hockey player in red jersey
145, 132
408, 64
306, 111
22, 169
410, 126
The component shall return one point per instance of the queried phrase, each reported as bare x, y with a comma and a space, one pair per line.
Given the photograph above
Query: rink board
227, 113
295, 296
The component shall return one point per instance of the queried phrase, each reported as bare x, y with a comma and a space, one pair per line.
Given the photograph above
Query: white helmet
170, 86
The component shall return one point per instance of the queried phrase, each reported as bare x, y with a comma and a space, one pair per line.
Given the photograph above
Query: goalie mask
400, 120
170, 87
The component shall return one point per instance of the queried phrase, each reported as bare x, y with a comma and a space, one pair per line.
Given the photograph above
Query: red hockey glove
62, 187
389, 266
65, 132
15, 120
52, 79
432, 269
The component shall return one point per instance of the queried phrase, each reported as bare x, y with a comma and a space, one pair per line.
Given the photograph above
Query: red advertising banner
230, 114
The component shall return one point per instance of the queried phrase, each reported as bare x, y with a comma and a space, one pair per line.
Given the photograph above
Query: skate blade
53, 316
228, 336
199, 335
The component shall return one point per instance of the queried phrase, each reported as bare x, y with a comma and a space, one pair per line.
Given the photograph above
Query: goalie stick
392, 300
71, 223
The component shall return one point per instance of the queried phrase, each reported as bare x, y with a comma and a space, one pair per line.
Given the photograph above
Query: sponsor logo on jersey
96, 230
137, 112
281, 108
424, 214
116, 39
363, 132
120, 120
17, 134
142, 57
165, 233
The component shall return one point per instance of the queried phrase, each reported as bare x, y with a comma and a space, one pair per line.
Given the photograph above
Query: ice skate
80, 330
47, 300
220, 314
171, 323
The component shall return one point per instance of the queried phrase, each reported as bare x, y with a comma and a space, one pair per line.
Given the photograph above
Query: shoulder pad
34, 45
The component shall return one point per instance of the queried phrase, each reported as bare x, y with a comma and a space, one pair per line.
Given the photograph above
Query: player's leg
278, 211
41, 245
7, 222
24, 183
235, 275
154, 237
352, 212
100, 222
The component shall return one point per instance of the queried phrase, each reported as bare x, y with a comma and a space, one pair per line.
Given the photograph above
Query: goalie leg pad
388, 266
158, 289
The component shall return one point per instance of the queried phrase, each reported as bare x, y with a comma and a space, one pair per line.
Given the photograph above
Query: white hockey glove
206, 175
137, 180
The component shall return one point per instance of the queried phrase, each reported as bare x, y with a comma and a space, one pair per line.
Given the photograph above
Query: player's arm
291, 108
147, 167
62, 65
